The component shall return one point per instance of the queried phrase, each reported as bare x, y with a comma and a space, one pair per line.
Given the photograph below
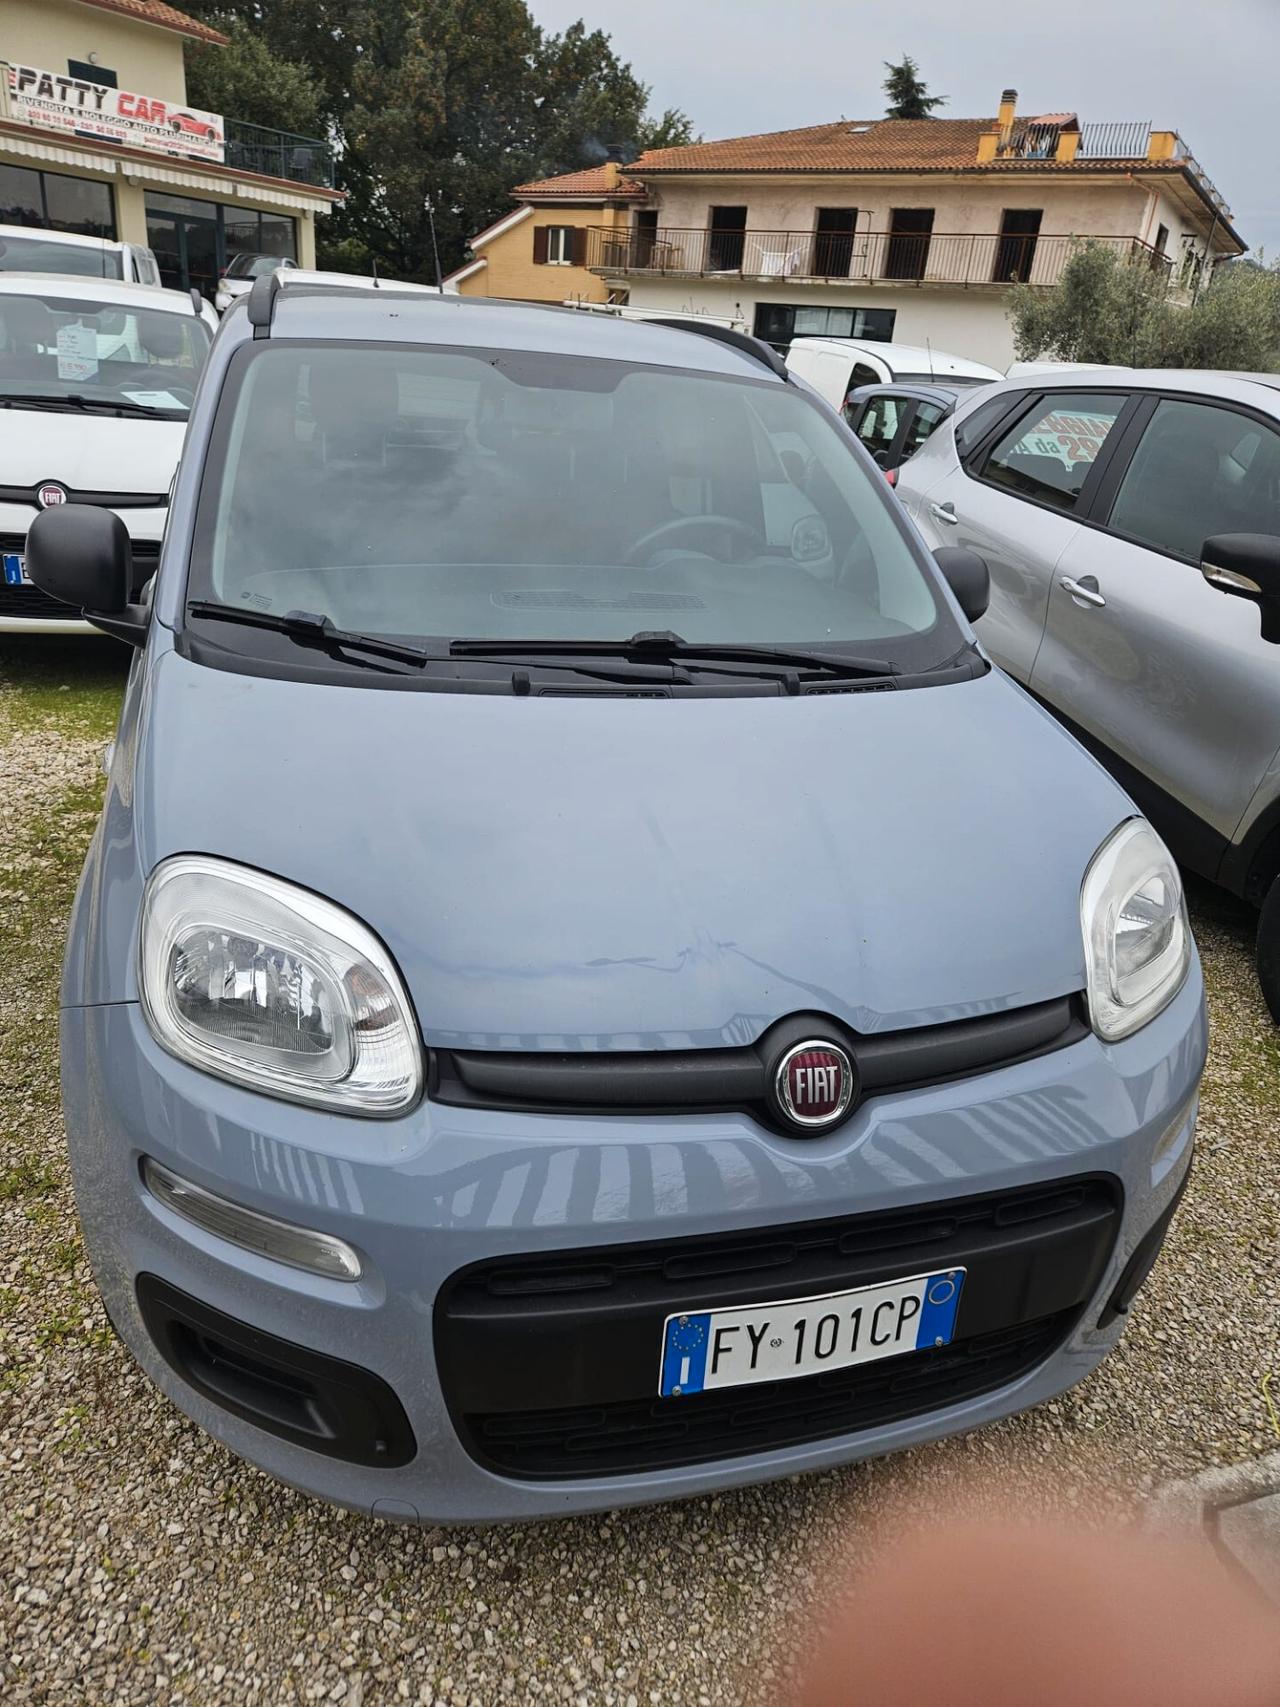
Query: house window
56, 201
92, 73
778, 323
560, 245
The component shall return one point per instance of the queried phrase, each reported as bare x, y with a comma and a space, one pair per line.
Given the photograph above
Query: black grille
655, 1434
674, 1081
38, 606
549, 1363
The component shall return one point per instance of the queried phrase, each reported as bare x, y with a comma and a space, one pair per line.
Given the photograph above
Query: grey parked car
1115, 510
588, 987
893, 421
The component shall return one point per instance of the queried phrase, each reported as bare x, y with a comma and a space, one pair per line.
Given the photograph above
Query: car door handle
944, 513
1083, 592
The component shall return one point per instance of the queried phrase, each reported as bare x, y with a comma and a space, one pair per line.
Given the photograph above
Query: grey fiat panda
588, 987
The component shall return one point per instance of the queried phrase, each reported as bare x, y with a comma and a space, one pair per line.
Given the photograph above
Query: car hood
89, 453
596, 872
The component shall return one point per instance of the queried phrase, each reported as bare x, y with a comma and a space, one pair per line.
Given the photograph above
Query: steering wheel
688, 524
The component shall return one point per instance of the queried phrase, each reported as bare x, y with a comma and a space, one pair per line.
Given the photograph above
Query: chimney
611, 174
1008, 112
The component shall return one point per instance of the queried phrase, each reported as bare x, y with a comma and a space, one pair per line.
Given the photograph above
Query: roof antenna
377, 283
435, 247
928, 344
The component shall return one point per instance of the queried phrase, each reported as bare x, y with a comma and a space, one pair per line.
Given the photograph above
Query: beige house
910, 230
96, 137
538, 252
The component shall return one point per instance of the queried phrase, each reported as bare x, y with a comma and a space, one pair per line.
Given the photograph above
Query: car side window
1049, 453
1199, 470
880, 422
926, 418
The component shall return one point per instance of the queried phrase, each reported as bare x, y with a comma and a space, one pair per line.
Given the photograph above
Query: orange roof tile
592, 182
167, 17
846, 146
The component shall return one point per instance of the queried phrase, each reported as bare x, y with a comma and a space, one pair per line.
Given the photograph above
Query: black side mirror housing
81, 555
1247, 566
968, 577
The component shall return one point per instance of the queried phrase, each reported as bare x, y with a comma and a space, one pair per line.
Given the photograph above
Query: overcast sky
738, 66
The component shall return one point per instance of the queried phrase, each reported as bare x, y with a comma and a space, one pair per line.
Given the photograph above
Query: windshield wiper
78, 400
663, 643
309, 629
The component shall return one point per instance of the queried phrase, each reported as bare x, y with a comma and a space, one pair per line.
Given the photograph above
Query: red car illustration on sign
183, 124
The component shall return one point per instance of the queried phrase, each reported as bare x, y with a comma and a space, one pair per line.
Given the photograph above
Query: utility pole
435, 247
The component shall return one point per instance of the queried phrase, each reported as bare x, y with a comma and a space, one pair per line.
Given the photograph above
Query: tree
246, 80
1109, 307
592, 106
909, 96
454, 101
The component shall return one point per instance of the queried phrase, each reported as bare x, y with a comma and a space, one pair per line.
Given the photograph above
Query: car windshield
406, 491
46, 255
252, 266
59, 350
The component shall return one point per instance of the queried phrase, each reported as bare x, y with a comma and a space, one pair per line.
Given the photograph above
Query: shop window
56, 202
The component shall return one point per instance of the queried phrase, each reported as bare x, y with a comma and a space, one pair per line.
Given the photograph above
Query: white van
32, 249
836, 366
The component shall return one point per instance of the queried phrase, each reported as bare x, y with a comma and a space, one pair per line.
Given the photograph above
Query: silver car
1115, 508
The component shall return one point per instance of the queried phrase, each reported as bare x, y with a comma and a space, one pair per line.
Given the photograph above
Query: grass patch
72, 685
27, 1178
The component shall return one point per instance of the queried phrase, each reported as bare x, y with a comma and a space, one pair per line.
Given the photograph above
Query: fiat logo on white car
814, 1084
50, 494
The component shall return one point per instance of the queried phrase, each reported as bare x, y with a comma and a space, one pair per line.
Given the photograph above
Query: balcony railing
279, 154
909, 258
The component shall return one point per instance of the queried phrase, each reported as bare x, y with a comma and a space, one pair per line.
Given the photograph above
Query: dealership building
96, 137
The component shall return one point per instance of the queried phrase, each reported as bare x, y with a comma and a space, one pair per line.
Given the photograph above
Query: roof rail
262, 303
743, 342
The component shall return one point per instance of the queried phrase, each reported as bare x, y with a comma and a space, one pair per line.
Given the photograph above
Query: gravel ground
140, 1563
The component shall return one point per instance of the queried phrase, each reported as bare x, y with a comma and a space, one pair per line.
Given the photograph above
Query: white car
32, 249
836, 366
231, 288
96, 381
238, 276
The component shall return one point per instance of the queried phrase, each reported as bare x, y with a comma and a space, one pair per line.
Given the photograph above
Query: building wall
48, 33
1110, 206
512, 272
963, 323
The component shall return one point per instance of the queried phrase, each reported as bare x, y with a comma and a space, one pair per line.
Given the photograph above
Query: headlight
1136, 938
267, 985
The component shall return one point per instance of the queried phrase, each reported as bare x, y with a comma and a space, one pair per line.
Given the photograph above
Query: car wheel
1269, 949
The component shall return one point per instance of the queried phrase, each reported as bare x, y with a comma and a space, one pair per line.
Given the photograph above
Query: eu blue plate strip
12, 569
938, 1313
684, 1357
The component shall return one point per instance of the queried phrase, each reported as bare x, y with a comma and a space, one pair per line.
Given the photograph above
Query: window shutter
540, 244
580, 247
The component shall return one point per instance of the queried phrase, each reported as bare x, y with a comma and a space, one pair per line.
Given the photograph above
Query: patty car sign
55, 101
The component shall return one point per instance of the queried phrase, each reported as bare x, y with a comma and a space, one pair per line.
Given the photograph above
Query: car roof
387, 314
76, 287
42, 234
1210, 382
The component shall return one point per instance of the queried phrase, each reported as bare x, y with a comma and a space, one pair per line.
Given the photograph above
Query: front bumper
443, 1189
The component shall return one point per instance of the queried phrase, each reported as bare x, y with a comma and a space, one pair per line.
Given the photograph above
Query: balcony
279, 154
963, 260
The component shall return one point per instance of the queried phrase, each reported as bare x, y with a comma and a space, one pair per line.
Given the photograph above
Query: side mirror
1247, 566
81, 555
968, 577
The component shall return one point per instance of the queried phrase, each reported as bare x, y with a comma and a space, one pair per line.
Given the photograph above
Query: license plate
15, 573
801, 1336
